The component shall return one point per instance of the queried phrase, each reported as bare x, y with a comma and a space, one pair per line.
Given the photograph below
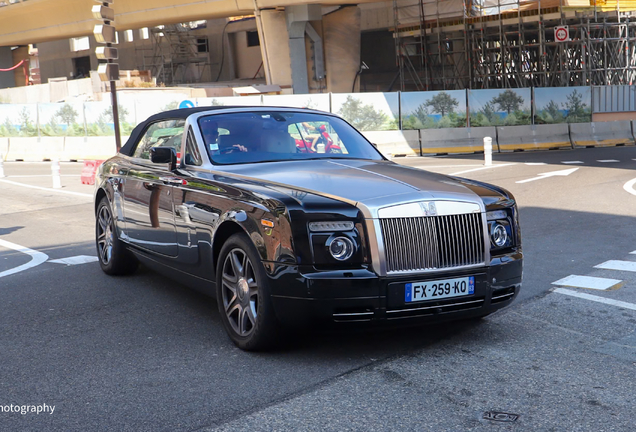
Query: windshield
249, 137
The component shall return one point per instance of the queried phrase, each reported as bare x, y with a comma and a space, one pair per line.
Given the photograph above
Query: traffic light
106, 33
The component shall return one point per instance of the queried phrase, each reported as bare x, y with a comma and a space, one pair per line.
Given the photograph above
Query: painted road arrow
550, 174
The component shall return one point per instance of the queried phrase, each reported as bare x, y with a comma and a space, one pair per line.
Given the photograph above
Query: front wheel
114, 258
243, 296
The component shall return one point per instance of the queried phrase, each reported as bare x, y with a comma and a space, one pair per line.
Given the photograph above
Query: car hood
367, 184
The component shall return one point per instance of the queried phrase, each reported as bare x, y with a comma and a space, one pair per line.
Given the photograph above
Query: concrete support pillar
275, 48
341, 32
298, 18
7, 79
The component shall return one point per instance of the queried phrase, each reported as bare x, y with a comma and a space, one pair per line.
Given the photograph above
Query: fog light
341, 248
499, 235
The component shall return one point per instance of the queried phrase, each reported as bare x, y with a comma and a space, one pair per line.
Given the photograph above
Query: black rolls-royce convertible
290, 216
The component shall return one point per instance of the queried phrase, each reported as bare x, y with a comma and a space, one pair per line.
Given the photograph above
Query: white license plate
439, 289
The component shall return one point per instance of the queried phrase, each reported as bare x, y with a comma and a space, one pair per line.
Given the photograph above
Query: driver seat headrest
277, 141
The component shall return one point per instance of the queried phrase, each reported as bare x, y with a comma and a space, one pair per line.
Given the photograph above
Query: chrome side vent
433, 242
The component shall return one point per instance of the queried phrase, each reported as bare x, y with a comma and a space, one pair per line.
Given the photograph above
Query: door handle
175, 181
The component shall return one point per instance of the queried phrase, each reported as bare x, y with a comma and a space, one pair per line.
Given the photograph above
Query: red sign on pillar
561, 33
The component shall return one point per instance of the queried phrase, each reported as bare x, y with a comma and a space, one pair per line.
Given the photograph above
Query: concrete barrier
456, 140
89, 148
34, 149
4, 147
395, 143
601, 134
533, 137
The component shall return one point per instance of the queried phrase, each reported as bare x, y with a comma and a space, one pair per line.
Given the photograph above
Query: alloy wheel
105, 233
240, 292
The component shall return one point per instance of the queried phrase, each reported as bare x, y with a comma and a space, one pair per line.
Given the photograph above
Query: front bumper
302, 298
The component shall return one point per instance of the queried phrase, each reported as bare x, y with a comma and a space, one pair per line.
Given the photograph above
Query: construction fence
401, 123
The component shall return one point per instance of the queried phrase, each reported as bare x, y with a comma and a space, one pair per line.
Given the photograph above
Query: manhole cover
500, 416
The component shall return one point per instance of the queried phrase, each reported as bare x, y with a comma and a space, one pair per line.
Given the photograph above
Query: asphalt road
143, 353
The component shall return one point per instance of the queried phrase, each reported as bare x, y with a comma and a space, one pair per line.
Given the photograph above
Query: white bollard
487, 151
55, 169
2, 165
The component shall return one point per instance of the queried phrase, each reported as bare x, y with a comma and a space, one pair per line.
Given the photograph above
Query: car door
148, 198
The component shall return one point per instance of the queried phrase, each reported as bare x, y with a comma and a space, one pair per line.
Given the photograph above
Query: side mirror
164, 155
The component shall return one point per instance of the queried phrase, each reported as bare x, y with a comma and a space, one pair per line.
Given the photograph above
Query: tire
243, 296
113, 256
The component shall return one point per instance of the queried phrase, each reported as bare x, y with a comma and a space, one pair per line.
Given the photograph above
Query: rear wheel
243, 296
113, 256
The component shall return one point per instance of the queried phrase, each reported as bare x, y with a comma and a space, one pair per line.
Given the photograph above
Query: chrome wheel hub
243, 289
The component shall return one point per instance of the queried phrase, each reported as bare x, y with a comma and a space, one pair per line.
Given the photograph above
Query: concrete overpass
287, 30
37, 21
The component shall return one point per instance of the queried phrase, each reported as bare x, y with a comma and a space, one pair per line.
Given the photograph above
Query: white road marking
633, 252
47, 189
482, 168
37, 258
607, 160
79, 259
572, 162
589, 282
535, 163
618, 265
629, 187
550, 174
422, 164
594, 298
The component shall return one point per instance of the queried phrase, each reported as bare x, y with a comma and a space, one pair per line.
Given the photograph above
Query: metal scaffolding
174, 57
512, 44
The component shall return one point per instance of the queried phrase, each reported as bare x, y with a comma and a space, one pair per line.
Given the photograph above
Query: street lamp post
108, 69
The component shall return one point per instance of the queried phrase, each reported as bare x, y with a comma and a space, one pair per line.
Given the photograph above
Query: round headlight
499, 235
341, 248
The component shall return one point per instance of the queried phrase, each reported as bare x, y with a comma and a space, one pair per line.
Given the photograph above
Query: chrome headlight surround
341, 248
335, 243
500, 229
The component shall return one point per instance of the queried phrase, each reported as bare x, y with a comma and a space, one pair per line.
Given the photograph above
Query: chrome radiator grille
433, 242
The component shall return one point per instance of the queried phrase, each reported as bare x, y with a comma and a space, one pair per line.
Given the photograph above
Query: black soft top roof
182, 113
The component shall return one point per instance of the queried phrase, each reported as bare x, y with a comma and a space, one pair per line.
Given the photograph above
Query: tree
67, 114
421, 112
7, 129
489, 111
171, 106
508, 101
552, 108
108, 114
577, 110
442, 103
26, 127
362, 117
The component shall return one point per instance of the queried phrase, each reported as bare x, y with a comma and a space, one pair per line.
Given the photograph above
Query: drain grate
500, 416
